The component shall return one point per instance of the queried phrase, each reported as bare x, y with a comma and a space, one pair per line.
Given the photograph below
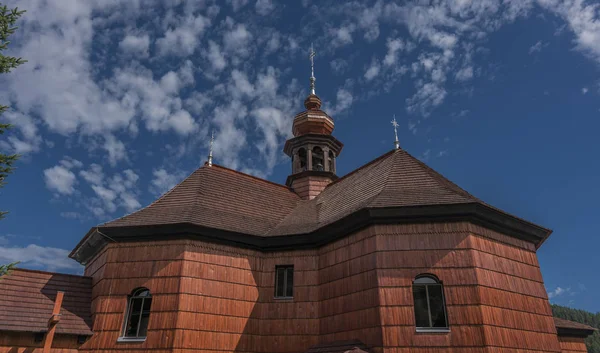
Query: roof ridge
155, 201
251, 176
385, 183
446, 183
383, 156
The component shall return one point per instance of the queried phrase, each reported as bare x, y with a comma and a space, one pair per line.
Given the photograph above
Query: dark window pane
144, 325
436, 305
279, 282
421, 311
132, 325
136, 305
289, 291
147, 303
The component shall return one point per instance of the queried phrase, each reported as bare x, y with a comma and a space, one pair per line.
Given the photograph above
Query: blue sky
118, 99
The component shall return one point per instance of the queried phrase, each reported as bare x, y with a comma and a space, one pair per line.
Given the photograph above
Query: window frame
286, 269
434, 281
136, 294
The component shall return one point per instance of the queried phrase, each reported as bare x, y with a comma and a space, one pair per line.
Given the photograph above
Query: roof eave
467, 212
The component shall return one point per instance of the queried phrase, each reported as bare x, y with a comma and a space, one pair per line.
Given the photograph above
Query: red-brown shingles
28, 299
221, 198
562, 323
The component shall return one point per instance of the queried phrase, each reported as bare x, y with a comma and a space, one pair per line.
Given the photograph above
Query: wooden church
390, 258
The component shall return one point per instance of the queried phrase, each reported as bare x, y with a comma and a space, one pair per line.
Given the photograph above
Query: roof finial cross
311, 56
395, 125
210, 150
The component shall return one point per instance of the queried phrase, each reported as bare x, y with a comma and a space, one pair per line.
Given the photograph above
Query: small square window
284, 281
38, 337
81, 339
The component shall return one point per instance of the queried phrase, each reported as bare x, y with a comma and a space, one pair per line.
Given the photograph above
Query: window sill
433, 330
288, 299
131, 339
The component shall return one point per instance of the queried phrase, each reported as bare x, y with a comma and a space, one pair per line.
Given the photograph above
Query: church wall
406, 251
119, 269
572, 344
229, 293
514, 302
349, 302
209, 297
24, 342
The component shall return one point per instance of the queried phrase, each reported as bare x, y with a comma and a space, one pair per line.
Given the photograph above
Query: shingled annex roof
27, 300
571, 328
228, 201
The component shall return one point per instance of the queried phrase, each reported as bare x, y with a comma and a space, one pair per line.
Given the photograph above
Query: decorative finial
395, 124
311, 56
212, 140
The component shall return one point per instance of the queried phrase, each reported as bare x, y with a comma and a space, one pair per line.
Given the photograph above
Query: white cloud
558, 292
238, 40
136, 45
116, 149
343, 102
584, 90
338, 65
372, 70
583, 18
164, 181
537, 47
393, 46
215, 56
237, 4
40, 257
183, 38
60, 180
342, 36
264, 7
464, 74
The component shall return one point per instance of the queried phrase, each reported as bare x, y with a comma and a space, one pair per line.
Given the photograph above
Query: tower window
331, 164
302, 157
284, 281
138, 313
317, 158
430, 307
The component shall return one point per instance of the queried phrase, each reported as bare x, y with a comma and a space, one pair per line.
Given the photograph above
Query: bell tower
313, 149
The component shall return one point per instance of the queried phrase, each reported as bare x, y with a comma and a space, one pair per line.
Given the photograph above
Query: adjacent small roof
352, 346
27, 300
568, 328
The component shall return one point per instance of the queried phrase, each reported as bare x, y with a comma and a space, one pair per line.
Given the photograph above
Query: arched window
430, 307
317, 158
138, 313
302, 157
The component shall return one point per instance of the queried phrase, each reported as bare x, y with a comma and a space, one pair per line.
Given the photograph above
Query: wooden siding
215, 298
572, 344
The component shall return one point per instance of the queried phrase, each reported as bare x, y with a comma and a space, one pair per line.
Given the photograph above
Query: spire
395, 124
210, 151
311, 56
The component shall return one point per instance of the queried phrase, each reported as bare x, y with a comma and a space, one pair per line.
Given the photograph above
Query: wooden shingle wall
572, 344
496, 300
215, 298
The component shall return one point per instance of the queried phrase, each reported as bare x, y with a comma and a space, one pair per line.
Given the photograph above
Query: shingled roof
214, 197
27, 300
572, 328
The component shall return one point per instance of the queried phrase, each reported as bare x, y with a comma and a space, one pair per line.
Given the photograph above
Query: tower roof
237, 207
